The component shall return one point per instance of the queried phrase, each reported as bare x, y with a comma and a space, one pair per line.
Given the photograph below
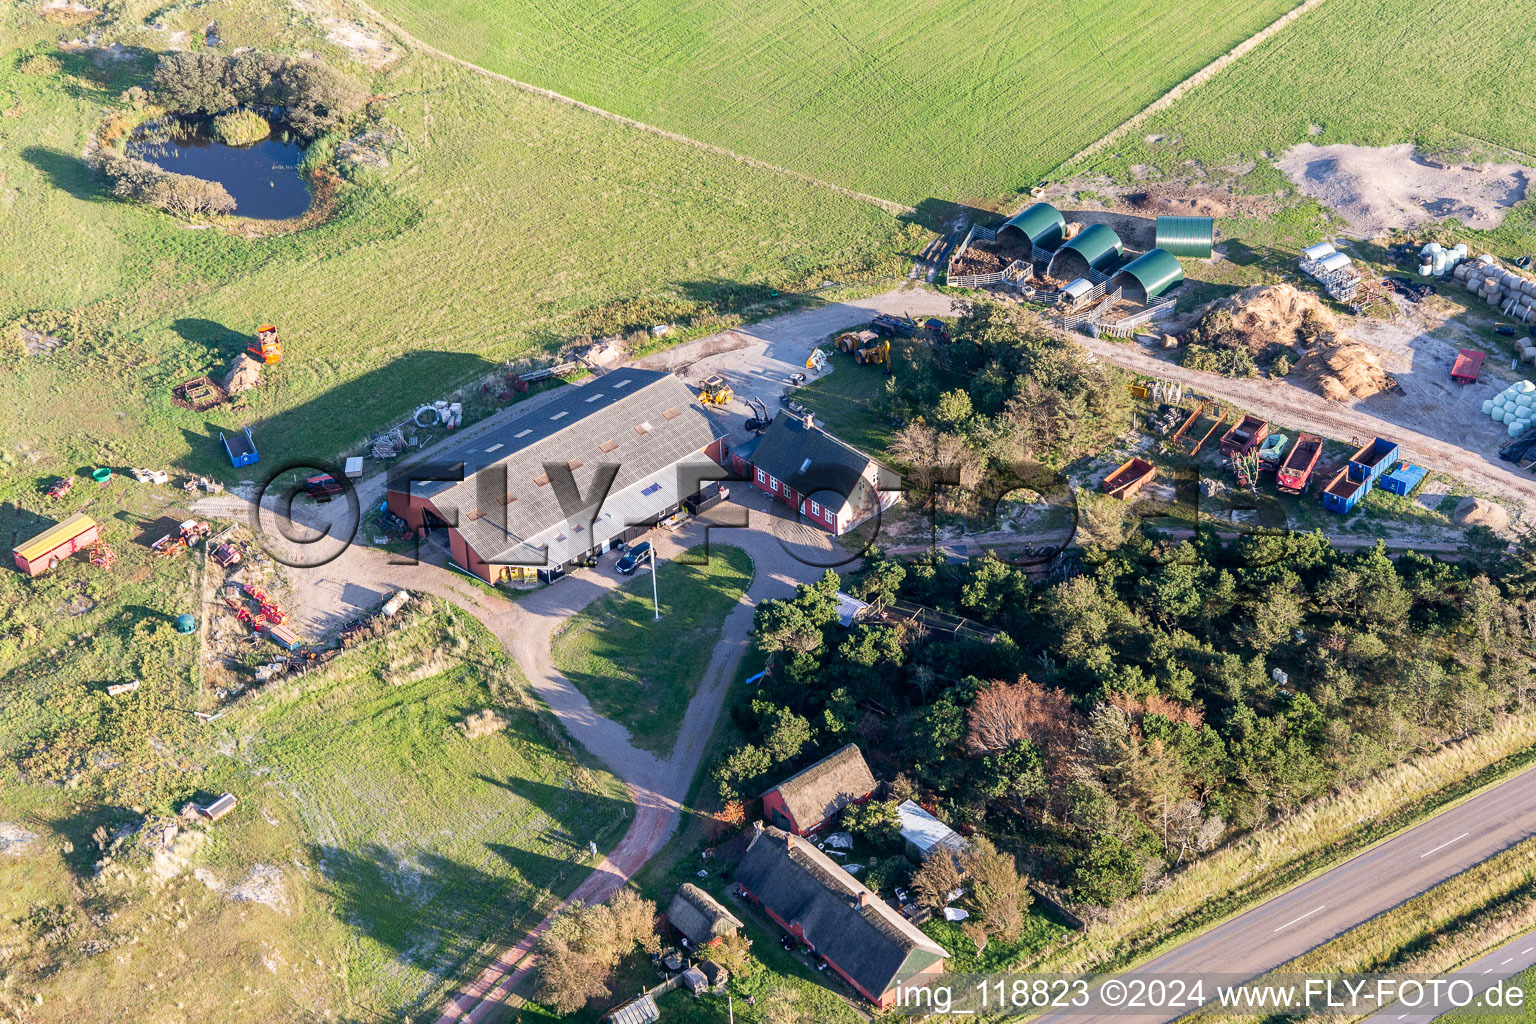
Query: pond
263, 178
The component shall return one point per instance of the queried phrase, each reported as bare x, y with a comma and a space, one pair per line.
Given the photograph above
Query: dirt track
1285, 403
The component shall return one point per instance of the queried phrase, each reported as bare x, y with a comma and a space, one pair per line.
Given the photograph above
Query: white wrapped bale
1487, 406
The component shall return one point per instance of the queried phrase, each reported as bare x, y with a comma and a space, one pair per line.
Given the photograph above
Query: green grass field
505, 225
642, 673
911, 100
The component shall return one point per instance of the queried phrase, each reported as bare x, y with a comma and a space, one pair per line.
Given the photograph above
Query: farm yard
910, 101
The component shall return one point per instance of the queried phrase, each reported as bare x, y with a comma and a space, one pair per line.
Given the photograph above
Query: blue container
1404, 478
1369, 462
241, 449
1342, 493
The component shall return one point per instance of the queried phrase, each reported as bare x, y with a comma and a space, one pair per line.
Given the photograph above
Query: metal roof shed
1096, 248
1040, 224
1192, 237
1148, 275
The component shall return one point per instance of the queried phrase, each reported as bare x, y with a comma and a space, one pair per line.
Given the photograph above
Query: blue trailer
1342, 493
1404, 478
240, 449
1369, 462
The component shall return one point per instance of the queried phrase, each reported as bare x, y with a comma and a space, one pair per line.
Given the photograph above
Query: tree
1107, 872
799, 624
874, 821
785, 734
737, 770
936, 879
1001, 894
583, 944
1005, 713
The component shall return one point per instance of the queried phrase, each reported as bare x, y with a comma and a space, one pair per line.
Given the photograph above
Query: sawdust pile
1266, 315
1346, 370
1478, 512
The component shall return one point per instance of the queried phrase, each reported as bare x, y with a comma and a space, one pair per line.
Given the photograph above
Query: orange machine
266, 347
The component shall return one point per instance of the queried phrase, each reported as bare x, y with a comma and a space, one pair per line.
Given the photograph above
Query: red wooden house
809, 799
831, 483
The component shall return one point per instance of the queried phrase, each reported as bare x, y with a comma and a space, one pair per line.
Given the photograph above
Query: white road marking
1303, 917
1488, 970
1526, 950
1443, 845
1505, 961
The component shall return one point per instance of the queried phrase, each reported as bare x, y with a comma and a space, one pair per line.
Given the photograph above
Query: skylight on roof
805, 465
644, 428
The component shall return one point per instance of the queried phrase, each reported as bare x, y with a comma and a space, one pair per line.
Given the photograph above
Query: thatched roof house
805, 801
809, 895
699, 916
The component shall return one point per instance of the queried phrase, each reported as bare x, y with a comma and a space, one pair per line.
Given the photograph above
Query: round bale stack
1505, 290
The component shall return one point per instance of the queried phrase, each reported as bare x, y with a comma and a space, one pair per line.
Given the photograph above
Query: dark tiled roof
872, 943
808, 458
624, 426
816, 793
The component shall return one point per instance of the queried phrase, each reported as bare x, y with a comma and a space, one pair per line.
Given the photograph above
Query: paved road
1361, 888
1503, 963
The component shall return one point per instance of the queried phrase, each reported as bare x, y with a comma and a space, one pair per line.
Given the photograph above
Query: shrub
1280, 367
41, 64
180, 194
240, 128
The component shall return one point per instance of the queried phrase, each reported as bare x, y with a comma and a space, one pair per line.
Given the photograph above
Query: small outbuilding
641, 1010
809, 799
694, 981
924, 833
700, 917
716, 975
1039, 224
1148, 276
220, 807
1189, 237
1093, 250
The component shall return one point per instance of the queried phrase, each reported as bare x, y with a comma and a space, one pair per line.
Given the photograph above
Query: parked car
634, 558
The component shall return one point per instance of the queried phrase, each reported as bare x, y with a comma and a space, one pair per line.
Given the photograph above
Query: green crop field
909, 100
641, 673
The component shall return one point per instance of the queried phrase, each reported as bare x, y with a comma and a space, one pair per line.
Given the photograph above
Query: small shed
1469, 364
1190, 237
53, 545
1148, 276
354, 467
700, 917
220, 807
640, 1010
716, 975
694, 981
850, 609
924, 833
1318, 251
285, 638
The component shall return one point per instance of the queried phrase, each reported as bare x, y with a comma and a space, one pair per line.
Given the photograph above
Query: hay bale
1480, 512
1345, 370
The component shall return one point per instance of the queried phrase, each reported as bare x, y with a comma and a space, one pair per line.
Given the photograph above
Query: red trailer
1296, 473
1129, 478
1244, 436
55, 544
1469, 363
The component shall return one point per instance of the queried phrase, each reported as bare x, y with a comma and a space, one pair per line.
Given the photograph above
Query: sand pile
1346, 370
1478, 512
244, 374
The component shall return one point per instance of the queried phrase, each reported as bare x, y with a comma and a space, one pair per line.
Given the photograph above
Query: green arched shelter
1040, 224
1189, 237
1096, 247
1147, 276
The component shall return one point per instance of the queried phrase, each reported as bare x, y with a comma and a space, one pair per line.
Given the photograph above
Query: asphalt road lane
1503, 963
1362, 887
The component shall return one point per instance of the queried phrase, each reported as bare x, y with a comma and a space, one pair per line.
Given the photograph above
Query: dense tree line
311, 96
1133, 717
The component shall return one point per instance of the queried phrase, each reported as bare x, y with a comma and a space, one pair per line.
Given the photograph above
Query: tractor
713, 390
875, 353
852, 341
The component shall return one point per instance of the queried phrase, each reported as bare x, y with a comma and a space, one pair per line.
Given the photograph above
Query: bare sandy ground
1377, 189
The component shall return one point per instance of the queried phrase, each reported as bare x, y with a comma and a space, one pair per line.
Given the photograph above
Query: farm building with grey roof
863, 939
594, 466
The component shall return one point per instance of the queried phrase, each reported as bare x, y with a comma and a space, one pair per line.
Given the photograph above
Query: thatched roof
699, 916
826, 787
842, 918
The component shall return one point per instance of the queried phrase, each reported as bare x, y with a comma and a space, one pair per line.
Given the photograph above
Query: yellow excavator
875, 353
713, 390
